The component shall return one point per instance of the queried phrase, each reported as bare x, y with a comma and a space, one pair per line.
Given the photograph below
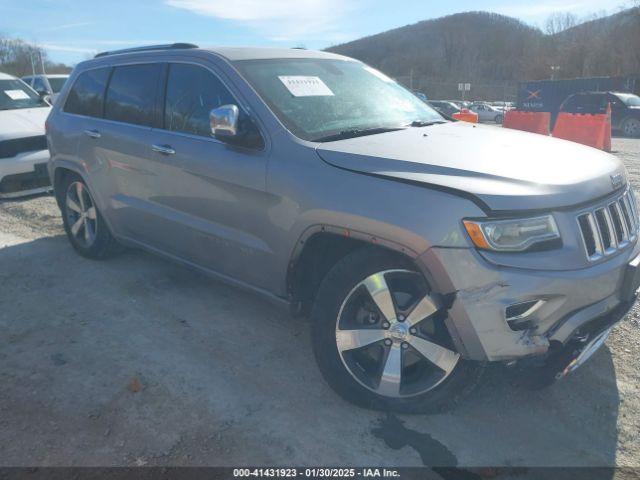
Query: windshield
316, 99
629, 100
15, 94
57, 83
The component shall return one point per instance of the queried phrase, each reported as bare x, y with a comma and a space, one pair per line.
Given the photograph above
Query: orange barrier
535, 122
591, 130
465, 115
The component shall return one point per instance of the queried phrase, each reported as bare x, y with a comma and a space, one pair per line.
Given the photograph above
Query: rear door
123, 148
481, 111
79, 123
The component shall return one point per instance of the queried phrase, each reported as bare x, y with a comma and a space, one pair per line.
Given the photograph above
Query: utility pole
33, 64
41, 62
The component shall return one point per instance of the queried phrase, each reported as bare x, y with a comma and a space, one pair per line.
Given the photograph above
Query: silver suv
420, 248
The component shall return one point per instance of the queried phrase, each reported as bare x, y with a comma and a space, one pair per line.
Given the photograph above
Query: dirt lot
137, 361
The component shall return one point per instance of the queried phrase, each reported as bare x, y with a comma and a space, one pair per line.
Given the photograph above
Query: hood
505, 169
22, 122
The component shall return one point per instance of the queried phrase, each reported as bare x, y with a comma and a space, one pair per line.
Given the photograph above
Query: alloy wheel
391, 337
81, 214
631, 128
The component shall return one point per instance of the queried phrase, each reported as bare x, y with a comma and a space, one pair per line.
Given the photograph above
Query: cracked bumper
572, 299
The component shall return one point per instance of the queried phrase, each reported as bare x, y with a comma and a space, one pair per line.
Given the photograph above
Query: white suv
23, 145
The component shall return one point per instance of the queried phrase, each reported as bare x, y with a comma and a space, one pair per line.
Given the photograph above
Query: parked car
504, 106
461, 103
487, 113
23, 146
48, 86
422, 96
420, 248
444, 107
625, 109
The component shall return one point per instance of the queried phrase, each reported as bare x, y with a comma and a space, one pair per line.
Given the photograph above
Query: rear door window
595, 103
586, 103
131, 95
192, 92
87, 94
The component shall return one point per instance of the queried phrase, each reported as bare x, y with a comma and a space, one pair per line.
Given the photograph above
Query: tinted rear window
131, 94
586, 103
87, 94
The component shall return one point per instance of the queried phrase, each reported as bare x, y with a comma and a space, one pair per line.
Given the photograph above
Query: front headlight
514, 235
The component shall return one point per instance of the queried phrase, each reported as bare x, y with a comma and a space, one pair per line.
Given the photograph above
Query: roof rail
169, 46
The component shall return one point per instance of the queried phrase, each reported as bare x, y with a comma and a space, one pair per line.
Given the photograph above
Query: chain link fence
449, 91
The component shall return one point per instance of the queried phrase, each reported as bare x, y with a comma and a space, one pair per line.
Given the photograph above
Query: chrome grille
609, 227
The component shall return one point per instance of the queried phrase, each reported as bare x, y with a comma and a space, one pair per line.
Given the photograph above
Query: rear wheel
631, 127
86, 229
498, 118
380, 339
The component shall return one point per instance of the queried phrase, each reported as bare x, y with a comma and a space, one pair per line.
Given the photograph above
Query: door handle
164, 149
92, 133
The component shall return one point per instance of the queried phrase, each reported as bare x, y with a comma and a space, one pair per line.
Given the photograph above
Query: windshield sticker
301, 86
378, 74
16, 94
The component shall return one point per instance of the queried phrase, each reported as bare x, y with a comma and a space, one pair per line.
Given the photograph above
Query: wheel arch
320, 247
60, 172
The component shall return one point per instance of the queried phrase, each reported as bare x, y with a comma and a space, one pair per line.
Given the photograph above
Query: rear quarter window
131, 94
86, 97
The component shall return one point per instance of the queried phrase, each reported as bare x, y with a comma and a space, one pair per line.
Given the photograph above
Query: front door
218, 202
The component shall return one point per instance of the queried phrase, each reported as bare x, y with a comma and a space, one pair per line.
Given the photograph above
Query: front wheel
631, 127
380, 340
498, 119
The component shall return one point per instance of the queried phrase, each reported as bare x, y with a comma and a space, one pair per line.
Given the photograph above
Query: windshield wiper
423, 123
356, 132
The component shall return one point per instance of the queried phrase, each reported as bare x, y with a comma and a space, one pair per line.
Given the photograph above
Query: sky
73, 30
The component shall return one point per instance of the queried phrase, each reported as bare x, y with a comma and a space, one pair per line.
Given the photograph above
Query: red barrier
465, 115
535, 122
591, 130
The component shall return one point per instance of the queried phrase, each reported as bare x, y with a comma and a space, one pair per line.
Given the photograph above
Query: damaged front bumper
566, 306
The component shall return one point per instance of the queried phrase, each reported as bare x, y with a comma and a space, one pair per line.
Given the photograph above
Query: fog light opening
518, 315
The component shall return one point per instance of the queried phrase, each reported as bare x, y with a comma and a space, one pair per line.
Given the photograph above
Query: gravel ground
137, 361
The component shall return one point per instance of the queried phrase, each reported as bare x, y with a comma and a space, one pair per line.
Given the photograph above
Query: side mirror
224, 121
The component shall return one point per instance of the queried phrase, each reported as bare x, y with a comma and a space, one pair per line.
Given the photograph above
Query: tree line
19, 58
490, 48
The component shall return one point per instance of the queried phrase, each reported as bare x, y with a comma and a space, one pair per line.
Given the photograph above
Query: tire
344, 309
86, 229
498, 119
630, 127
